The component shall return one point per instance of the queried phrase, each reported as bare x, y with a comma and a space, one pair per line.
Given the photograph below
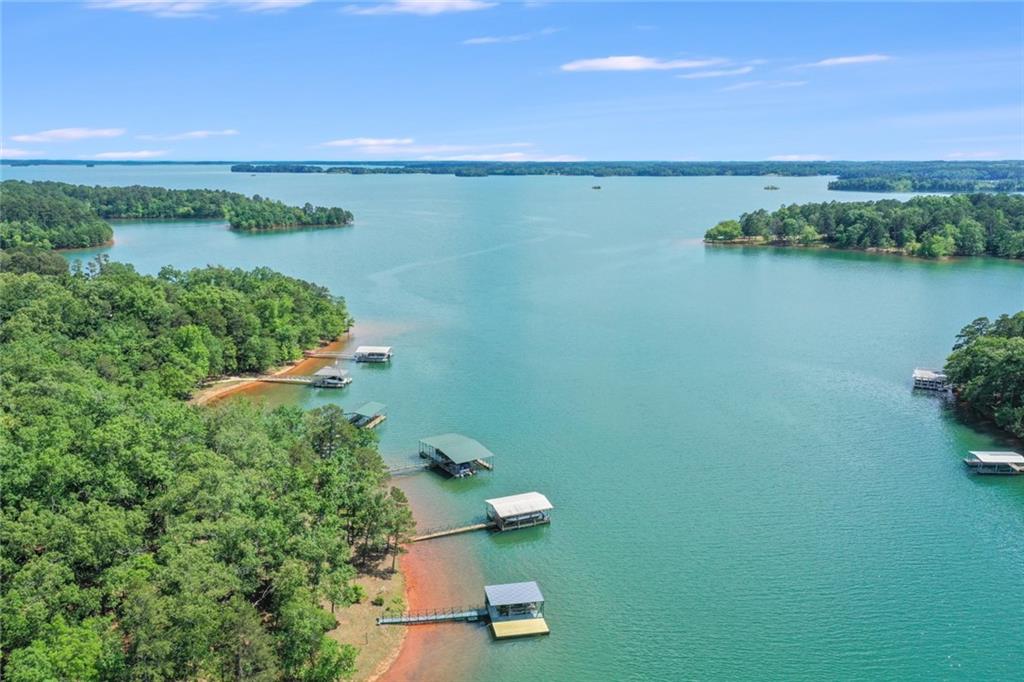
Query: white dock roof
331, 371
524, 503
366, 350
998, 457
929, 374
513, 593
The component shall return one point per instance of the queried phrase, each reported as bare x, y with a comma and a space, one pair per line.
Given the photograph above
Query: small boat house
455, 454
519, 511
1004, 463
368, 415
331, 376
515, 610
930, 380
372, 354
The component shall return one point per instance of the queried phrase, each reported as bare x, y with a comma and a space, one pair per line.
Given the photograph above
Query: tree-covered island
60, 215
927, 226
145, 539
865, 176
986, 370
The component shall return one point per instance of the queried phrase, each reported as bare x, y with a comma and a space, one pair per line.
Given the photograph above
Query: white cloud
517, 38
503, 156
976, 155
369, 142
768, 85
637, 63
408, 148
11, 153
856, 59
191, 135
798, 157
68, 134
185, 9
139, 154
719, 74
420, 7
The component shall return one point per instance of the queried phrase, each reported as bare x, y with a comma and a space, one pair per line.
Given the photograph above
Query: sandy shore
222, 388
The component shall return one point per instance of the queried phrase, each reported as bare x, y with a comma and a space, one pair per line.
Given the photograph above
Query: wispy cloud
768, 85
421, 7
977, 155
68, 134
137, 154
517, 38
408, 148
855, 59
637, 63
186, 9
799, 157
191, 135
369, 142
13, 153
721, 73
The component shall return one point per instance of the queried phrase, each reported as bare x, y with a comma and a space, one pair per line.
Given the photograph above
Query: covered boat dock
516, 610
368, 415
331, 376
519, 511
372, 354
455, 454
930, 380
1000, 463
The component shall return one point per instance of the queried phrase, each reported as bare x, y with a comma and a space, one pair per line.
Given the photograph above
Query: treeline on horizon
986, 369
146, 539
875, 176
928, 226
61, 215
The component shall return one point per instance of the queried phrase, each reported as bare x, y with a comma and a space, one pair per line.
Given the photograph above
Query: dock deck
522, 627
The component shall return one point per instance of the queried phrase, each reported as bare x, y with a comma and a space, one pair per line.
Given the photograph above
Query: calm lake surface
745, 485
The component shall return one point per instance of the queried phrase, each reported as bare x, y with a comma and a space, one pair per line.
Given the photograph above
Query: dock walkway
336, 355
285, 379
453, 530
468, 614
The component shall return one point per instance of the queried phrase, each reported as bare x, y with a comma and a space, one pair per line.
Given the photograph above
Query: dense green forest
147, 539
875, 176
930, 226
60, 215
986, 370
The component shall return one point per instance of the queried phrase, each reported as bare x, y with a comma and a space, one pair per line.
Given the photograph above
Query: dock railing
441, 615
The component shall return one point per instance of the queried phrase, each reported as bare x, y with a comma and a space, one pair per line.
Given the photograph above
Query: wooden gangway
407, 469
335, 354
285, 379
453, 530
425, 617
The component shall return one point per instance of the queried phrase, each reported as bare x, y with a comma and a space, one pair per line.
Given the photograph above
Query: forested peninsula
60, 215
873, 176
147, 539
986, 370
928, 226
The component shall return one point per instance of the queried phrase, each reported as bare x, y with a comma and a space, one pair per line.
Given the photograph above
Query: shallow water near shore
745, 485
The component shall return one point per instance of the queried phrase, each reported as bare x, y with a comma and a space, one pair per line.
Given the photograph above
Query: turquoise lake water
745, 485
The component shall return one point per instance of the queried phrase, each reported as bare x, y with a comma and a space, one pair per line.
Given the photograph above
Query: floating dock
456, 455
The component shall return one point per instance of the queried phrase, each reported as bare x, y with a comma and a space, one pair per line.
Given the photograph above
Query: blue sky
474, 79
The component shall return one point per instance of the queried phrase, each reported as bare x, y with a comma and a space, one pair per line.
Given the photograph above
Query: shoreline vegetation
867, 176
862, 176
926, 227
57, 215
148, 537
986, 370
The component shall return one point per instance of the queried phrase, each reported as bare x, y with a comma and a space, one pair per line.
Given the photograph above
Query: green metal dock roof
370, 409
457, 447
